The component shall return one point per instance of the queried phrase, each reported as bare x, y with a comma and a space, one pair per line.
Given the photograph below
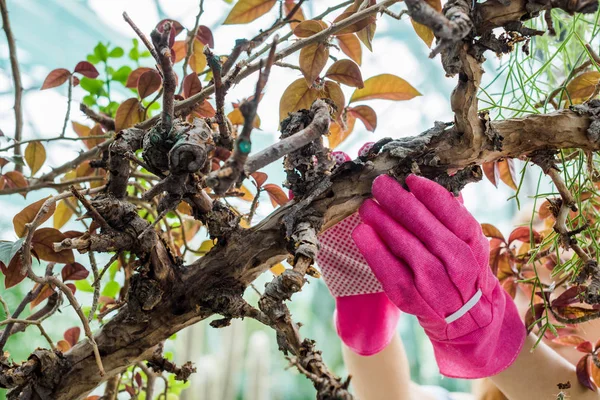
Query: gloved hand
431, 258
365, 318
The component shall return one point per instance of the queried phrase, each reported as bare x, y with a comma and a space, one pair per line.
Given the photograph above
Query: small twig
90, 209
104, 120
190, 45
161, 42
68, 113
57, 185
98, 280
94, 267
150, 380
14, 64
220, 92
4, 306
53, 139
142, 37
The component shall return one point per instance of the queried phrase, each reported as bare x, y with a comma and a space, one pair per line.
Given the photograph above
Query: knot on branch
545, 159
591, 108
160, 364
493, 136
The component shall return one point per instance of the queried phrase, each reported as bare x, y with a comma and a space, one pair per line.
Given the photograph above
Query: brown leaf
366, 114
15, 179
42, 242
333, 91
367, 34
134, 76
128, 114
71, 335
12, 273
489, 169
259, 178
350, 46
56, 78
27, 215
276, 194
148, 83
346, 72
205, 110
246, 11
355, 27
308, 28
298, 15
387, 87
204, 34
507, 172
191, 85
581, 87
46, 292
491, 231
35, 156
74, 272
522, 233
585, 347
583, 372
296, 97
312, 60
179, 48
510, 286
87, 69
63, 346
339, 133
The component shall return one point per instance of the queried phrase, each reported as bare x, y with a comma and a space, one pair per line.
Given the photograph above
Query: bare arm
534, 375
383, 376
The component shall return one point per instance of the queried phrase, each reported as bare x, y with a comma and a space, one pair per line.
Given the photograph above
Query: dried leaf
246, 11
507, 172
15, 179
28, 214
204, 110
46, 292
191, 85
35, 156
367, 34
42, 242
296, 97
56, 78
491, 231
333, 91
276, 194
12, 273
86, 69
510, 286
74, 272
355, 27
346, 72
313, 59
366, 114
350, 46
204, 34
489, 169
134, 76
308, 28
148, 83
205, 247
581, 87
570, 296
424, 32
128, 114
259, 178
387, 87
71, 335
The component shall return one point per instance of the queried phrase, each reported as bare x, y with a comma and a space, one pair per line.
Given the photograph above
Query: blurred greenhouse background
242, 360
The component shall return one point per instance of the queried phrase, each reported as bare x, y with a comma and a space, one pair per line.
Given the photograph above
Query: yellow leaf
28, 214
386, 87
205, 247
506, 171
312, 61
246, 11
337, 133
582, 87
333, 91
62, 214
236, 118
423, 32
296, 97
128, 114
248, 196
180, 49
298, 15
63, 346
366, 35
346, 72
197, 61
350, 45
355, 27
35, 156
277, 269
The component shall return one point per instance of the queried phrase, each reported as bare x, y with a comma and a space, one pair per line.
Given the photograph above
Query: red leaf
71, 287
367, 115
204, 34
522, 233
74, 272
134, 76
510, 285
138, 379
491, 231
86, 69
276, 194
583, 372
569, 340
71, 335
532, 315
191, 85
569, 296
130, 390
12, 273
56, 78
259, 178
204, 110
585, 347
148, 83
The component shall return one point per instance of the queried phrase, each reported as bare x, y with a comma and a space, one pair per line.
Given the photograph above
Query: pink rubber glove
431, 258
365, 318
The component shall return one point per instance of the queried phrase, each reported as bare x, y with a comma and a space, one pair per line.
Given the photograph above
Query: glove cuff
366, 323
486, 351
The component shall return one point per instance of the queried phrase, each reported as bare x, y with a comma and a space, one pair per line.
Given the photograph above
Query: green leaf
112, 270
89, 100
145, 54
101, 52
93, 59
111, 289
134, 53
9, 249
116, 52
92, 86
121, 74
84, 286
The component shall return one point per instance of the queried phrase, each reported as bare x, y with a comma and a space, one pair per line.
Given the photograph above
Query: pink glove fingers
416, 218
366, 323
450, 211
